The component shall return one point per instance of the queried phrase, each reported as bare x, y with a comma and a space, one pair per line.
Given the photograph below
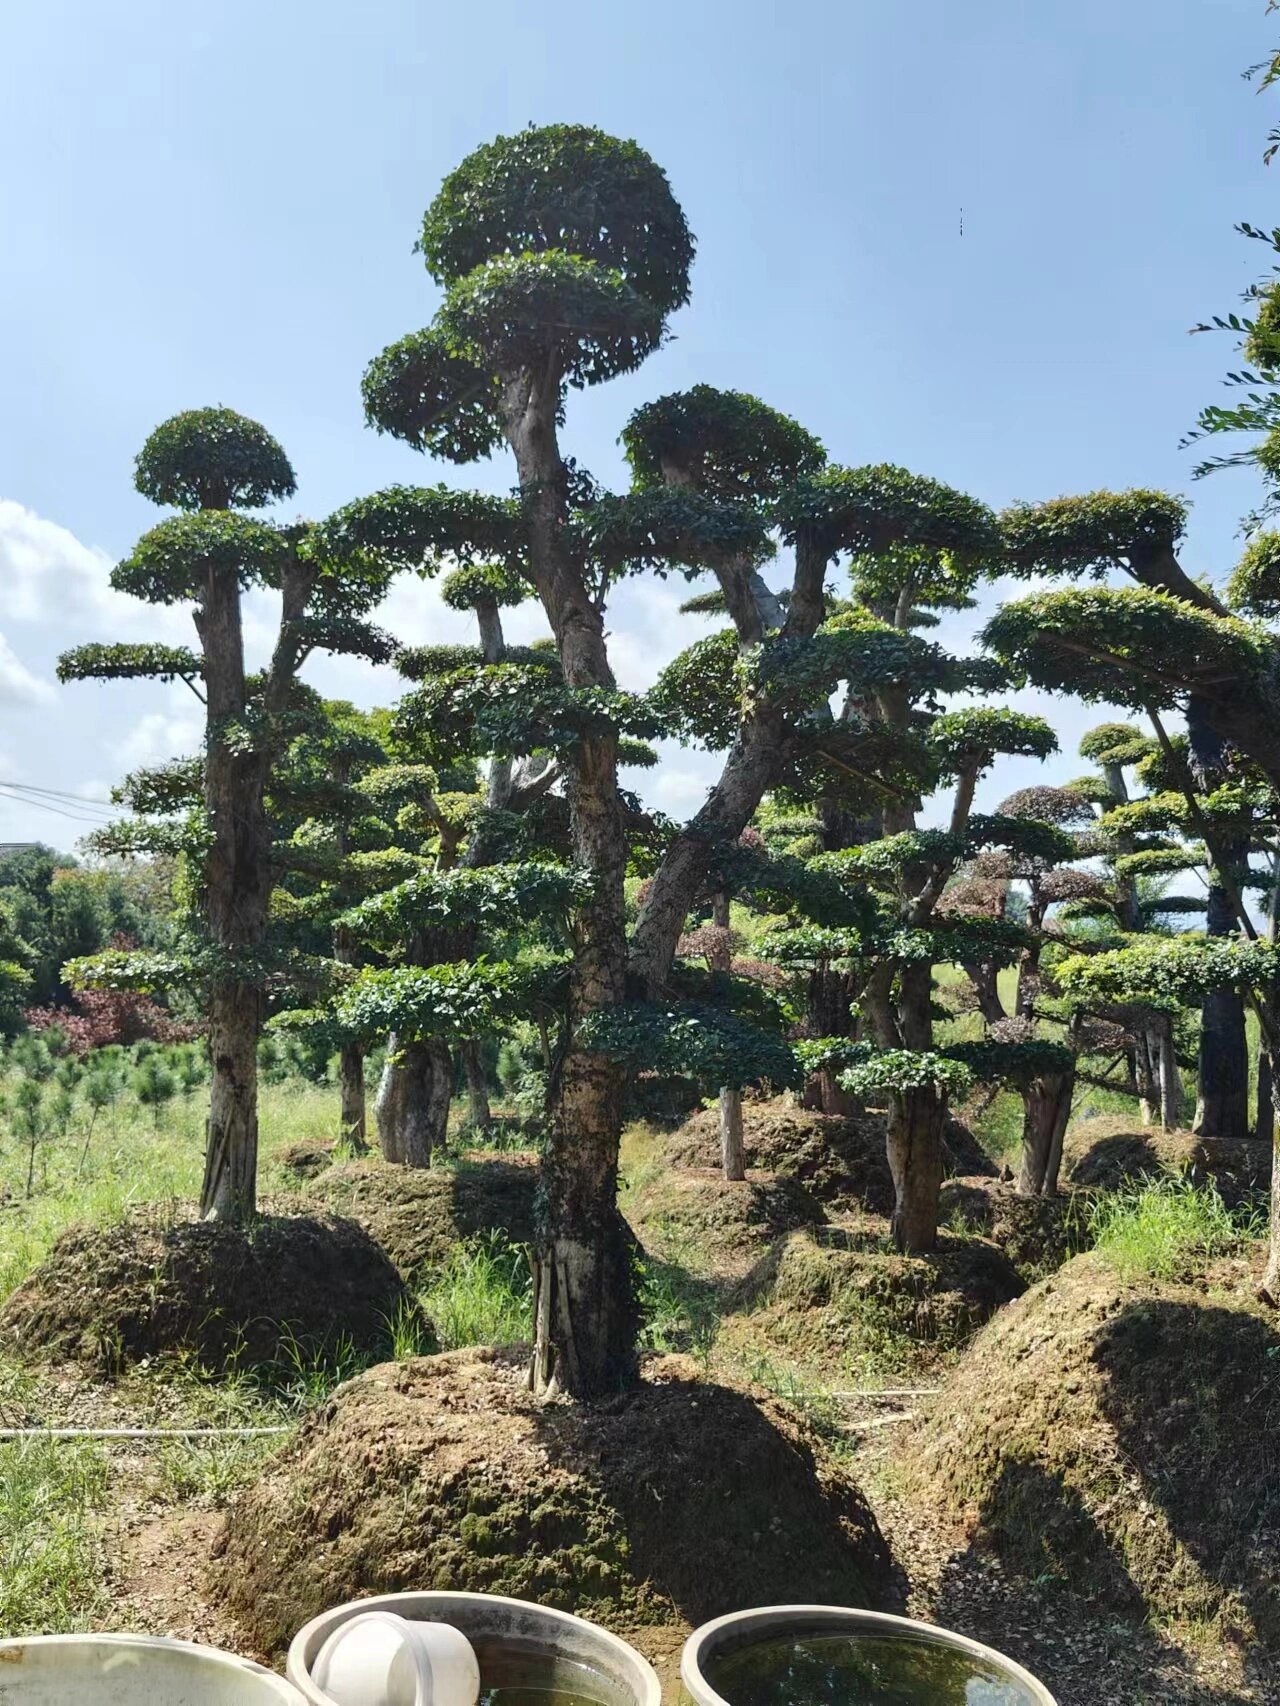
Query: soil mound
679, 1499
1110, 1153
839, 1159
1119, 1434
842, 1299
115, 1294
1038, 1234
695, 1215
305, 1159
418, 1215
833, 1157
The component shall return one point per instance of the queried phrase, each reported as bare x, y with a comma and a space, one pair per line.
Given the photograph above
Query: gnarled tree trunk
585, 1311
1047, 1108
412, 1108
351, 1114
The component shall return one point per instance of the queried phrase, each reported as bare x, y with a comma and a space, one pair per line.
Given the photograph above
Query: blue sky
219, 205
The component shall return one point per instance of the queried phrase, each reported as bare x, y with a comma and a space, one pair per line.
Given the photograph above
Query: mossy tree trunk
586, 1317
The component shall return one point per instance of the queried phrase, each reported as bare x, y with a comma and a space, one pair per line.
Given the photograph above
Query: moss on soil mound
1038, 1234
697, 1217
844, 1299
115, 1294
1109, 1153
418, 1215
1121, 1434
679, 1499
838, 1159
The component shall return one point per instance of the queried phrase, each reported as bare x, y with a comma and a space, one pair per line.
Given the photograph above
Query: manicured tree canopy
210, 463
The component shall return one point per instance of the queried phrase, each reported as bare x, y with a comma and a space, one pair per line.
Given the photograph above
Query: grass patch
51, 1577
482, 1295
1157, 1227
680, 1308
209, 1472
135, 1157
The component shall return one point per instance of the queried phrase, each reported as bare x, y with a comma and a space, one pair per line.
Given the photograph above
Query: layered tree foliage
213, 466
1166, 643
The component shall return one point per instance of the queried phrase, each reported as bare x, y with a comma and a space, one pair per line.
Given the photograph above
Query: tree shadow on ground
1193, 1393
1061, 1601
727, 1501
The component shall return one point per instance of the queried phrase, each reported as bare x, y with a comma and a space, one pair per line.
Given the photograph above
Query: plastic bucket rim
632, 1664
762, 1617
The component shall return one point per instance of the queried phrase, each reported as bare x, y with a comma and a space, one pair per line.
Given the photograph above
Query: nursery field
787, 1286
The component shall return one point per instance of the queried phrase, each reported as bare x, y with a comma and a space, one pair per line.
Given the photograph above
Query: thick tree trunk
351, 1116
1271, 1277
1146, 1074
1172, 1109
229, 1191
412, 1108
585, 1313
237, 887
1222, 1102
1265, 1126
479, 1115
732, 1149
1047, 1108
914, 1145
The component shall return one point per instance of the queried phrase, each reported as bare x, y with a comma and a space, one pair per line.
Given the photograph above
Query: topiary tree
212, 465
1168, 644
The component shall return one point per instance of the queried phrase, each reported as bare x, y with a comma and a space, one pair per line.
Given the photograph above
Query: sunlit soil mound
1107, 1153
841, 1301
681, 1499
1038, 1234
305, 1159
223, 1294
696, 1217
839, 1159
418, 1215
1122, 1435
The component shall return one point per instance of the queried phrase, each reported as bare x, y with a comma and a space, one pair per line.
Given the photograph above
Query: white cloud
158, 736
18, 685
47, 574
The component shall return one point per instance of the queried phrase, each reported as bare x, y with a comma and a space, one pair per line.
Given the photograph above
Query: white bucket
132, 1670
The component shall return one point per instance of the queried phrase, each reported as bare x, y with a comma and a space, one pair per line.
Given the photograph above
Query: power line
75, 816
56, 793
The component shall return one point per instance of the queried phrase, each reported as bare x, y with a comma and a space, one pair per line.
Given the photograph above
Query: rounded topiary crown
568, 188
213, 459
730, 444
472, 583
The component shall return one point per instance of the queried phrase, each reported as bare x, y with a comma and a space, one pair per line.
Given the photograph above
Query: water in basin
858, 1670
522, 1678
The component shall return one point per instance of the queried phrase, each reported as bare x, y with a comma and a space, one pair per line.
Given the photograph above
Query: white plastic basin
132, 1670
589, 1661
741, 1630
